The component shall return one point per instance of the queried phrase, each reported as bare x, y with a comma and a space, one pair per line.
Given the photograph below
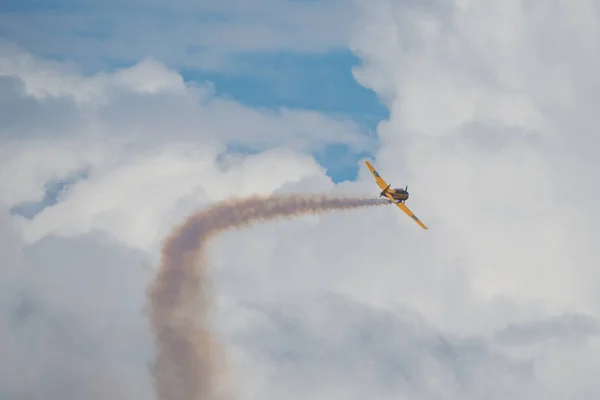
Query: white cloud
490, 175
152, 149
146, 141
138, 199
50, 79
71, 323
347, 349
144, 149
148, 100
491, 128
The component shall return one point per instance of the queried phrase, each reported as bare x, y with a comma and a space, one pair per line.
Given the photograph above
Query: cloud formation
490, 126
70, 324
146, 132
109, 162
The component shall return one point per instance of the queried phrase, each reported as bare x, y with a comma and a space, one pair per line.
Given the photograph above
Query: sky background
119, 119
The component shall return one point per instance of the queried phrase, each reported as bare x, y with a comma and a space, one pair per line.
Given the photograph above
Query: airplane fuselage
397, 194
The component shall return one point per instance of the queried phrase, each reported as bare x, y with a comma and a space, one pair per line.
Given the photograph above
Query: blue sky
322, 82
259, 53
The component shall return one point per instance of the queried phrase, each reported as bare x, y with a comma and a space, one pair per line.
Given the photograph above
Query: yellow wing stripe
403, 207
380, 182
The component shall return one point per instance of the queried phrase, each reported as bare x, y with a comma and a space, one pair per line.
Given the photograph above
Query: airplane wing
403, 207
380, 182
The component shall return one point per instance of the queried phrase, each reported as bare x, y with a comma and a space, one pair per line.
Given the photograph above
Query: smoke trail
186, 359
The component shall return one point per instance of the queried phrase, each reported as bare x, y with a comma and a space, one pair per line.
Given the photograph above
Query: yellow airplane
397, 196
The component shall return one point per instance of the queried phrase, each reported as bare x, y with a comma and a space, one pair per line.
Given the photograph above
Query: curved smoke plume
186, 359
